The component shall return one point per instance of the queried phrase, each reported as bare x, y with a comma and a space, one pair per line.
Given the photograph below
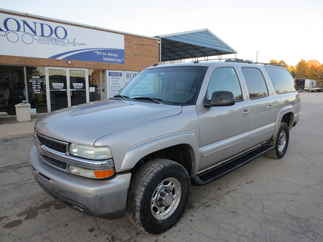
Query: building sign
116, 80
30, 37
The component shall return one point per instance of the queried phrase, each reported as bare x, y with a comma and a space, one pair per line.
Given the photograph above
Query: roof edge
196, 31
184, 32
233, 50
24, 14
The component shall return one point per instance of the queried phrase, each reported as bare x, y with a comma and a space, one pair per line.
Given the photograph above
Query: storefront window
95, 85
12, 88
37, 89
61, 93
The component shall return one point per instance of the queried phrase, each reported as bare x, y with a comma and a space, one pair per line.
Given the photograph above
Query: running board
223, 169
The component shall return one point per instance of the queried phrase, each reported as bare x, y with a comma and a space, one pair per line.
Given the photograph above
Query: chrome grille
54, 162
52, 143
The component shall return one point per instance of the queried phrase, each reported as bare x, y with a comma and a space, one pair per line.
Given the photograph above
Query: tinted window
256, 83
173, 85
224, 79
281, 79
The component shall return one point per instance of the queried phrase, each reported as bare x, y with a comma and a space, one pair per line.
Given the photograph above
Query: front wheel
281, 143
159, 195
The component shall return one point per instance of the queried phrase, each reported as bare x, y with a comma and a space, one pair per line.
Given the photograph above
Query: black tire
276, 153
146, 180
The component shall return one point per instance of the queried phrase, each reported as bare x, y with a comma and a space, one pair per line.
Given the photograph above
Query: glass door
78, 86
66, 87
57, 97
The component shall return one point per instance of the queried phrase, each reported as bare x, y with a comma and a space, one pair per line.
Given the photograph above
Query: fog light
95, 174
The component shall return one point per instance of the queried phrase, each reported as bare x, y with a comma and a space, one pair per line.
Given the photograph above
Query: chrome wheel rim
282, 141
166, 198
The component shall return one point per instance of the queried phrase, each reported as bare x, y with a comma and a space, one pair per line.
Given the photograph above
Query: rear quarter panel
288, 103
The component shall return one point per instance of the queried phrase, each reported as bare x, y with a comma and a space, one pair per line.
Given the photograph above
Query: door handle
245, 111
269, 105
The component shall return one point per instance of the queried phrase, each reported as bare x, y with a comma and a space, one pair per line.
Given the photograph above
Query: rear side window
256, 83
281, 79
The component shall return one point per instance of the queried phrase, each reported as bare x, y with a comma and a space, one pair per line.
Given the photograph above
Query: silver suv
138, 152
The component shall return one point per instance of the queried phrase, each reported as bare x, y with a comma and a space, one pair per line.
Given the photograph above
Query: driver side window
224, 79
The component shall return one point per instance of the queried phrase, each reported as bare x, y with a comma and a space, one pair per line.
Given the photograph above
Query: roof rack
237, 60
240, 61
251, 62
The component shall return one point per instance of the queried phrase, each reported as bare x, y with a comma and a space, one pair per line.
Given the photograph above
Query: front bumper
96, 197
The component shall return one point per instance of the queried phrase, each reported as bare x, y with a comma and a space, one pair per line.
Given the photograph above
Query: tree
292, 70
311, 69
301, 69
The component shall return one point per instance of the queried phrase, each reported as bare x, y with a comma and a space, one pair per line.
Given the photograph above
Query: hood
84, 124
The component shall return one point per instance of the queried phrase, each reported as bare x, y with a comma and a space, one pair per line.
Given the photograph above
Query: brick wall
140, 52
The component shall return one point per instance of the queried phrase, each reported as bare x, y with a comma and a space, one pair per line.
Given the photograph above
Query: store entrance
66, 87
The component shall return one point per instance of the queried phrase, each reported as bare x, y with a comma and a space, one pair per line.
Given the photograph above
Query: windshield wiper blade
152, 99
120, 96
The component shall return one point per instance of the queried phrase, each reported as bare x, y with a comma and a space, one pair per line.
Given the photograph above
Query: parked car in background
312, 86
138, 152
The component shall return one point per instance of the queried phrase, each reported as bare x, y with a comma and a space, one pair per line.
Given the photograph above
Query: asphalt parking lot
267, 200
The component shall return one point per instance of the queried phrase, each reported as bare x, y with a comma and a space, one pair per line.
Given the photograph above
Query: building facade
53, 64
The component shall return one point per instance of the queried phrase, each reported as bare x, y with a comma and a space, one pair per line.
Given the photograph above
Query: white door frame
68, 84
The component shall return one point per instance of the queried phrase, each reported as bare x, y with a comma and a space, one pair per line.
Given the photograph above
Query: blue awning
199, 43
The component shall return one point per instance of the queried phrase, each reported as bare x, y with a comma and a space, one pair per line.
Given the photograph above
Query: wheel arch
181, 148
288, 118
285, 114
181, 153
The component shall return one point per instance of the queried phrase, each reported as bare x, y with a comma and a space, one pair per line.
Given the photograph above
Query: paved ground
267, 200
10, 128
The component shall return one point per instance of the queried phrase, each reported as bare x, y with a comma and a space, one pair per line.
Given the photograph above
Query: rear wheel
159, 195
281, 143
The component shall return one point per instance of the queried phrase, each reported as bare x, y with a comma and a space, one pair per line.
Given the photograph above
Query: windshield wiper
123, 97
152, 99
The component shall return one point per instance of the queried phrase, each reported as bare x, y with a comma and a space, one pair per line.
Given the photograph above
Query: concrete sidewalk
10, 128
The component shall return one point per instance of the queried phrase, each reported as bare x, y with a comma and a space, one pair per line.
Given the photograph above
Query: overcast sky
278, 29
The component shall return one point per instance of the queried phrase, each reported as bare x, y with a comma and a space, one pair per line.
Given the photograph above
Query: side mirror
220, 98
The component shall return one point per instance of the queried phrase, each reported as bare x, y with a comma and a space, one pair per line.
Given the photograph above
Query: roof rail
240, 61
237, 60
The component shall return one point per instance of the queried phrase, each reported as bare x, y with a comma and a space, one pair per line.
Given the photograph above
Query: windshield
170, 85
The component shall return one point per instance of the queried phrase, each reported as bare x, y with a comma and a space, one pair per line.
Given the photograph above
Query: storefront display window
50, 88
37, 89
12, 88
95, 85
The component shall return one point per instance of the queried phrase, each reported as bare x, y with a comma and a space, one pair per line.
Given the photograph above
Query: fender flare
281, 113
139, 151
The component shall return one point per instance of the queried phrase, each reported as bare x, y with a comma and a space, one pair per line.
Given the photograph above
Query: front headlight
102, 171
90, 152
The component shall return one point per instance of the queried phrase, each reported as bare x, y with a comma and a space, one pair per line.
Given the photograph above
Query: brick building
53, 64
